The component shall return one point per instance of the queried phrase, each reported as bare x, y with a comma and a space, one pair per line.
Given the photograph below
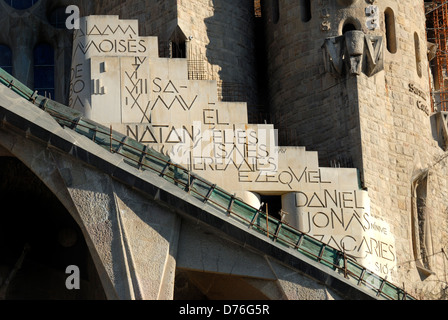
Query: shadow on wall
33, 218
231, 32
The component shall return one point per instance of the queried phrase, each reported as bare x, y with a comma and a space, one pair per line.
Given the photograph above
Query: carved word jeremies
217, 149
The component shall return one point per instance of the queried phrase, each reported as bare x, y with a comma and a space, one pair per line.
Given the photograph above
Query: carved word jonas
340, 219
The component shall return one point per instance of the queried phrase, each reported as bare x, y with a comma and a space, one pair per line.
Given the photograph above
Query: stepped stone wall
349, 86
126, 85
221, 50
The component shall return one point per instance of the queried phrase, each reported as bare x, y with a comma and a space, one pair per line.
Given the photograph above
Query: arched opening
197, 285
391, 37
44, 70
348, 27
349, 24
305, 10
38, 241
6, 58
275, 11
418, 58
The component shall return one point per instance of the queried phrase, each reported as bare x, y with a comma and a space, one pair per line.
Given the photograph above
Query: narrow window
58, 17
275, 11
418, 58
305, 10
6, 58
44, 70
421, 234
21, 4
391, 38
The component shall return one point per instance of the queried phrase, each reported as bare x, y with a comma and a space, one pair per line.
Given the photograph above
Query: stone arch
214, 286
39, 239
107, 212
349, 24
40, 162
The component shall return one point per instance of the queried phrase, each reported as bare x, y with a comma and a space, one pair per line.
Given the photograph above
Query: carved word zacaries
118, 79
353, 53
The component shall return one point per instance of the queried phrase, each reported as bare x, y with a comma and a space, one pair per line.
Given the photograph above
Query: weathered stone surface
132, 238
377, 124
152, 100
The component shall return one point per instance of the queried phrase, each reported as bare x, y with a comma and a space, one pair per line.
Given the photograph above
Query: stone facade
196, 27
156, 104
381, 123
348, 82
28, 28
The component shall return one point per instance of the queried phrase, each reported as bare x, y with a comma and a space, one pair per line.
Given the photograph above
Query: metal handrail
289, 242
261, 228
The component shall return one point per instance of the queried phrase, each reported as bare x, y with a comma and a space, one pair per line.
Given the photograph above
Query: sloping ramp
141, 168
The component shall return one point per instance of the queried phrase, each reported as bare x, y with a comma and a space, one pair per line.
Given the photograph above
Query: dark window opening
391, 38
178, 49
418, 58
58, 17
348, 27
178, 44
305, 10
44, 70
6, 58
272, 205
21, 4
275, 11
